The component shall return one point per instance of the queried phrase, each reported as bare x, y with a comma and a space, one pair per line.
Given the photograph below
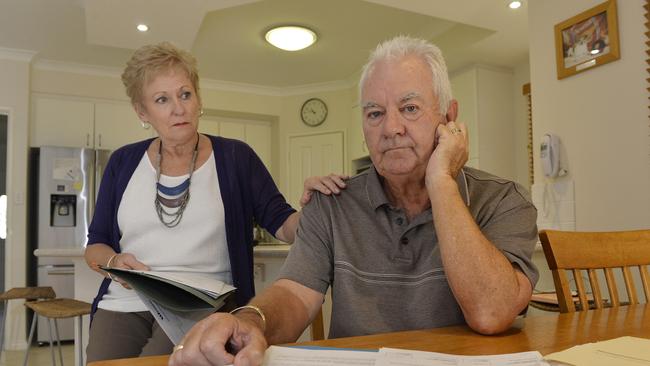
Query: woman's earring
145, 125
201, 112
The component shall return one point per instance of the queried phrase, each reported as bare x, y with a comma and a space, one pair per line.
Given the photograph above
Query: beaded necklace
175, 197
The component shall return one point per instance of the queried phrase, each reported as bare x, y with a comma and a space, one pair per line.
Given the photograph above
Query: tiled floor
38, 356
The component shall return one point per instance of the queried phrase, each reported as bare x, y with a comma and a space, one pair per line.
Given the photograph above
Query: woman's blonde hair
151, 60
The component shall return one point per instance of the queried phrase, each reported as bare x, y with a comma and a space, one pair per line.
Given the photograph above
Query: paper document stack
394, 357
621, 351
297, 356
176, 299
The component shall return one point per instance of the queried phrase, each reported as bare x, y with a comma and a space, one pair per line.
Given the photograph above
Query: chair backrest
598, 255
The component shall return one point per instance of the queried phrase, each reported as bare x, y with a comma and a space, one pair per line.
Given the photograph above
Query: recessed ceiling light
291, 38
514, 4
142, 27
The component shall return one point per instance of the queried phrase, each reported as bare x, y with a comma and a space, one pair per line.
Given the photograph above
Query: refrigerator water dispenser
63, 210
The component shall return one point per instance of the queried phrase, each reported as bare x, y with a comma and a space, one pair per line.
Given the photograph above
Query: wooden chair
599, 255
26, 293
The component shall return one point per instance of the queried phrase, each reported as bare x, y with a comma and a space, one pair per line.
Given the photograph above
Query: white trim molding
275, 91
74, 68
210, 84
17, 54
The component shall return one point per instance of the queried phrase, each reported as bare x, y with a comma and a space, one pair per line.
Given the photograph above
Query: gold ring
178, 347
456, 130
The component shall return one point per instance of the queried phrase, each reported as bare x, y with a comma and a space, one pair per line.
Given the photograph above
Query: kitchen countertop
60, 252
271, 250
261, 250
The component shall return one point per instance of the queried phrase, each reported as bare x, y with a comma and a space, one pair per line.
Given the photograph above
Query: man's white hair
402, 46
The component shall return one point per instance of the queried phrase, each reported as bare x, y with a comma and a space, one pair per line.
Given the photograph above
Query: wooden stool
57, 309
27, 293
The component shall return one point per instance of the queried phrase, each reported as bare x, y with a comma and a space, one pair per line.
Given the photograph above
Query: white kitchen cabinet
233, 130
61, 121
257, 134
209, 126
116, 125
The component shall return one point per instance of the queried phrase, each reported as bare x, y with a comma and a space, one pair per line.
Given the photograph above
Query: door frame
8, 189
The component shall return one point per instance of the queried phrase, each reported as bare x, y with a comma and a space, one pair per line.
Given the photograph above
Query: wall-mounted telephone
550, 155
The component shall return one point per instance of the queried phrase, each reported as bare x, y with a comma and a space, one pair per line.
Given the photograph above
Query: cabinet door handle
87, 140
100, 140
60, 272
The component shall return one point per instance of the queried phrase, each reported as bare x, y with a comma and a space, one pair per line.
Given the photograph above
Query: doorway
3, 200
314, 154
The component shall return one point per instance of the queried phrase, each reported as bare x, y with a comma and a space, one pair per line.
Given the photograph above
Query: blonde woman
183, 201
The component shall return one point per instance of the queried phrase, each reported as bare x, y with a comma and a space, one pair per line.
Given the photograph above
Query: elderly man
418, 241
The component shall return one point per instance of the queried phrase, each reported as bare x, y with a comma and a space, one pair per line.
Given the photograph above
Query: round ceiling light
142, 27
515, 4
290, 38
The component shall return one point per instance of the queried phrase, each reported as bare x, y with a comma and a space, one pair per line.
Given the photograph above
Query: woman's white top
197, 244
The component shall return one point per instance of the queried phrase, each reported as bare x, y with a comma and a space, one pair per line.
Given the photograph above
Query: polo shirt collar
377, 196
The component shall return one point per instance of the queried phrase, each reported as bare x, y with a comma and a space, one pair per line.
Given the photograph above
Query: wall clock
313, 112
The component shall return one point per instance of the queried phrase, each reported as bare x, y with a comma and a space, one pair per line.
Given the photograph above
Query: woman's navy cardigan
247, 191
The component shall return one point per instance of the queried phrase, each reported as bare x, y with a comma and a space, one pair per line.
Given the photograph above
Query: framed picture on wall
587, 40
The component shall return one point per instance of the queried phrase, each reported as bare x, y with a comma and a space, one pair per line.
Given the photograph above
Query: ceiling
226, 36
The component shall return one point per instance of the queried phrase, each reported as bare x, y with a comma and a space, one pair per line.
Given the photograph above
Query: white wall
465, 91
14, 101
495, 113
485, 99
601, 115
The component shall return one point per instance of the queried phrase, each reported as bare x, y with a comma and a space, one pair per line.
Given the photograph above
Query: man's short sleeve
512, 229
310, 260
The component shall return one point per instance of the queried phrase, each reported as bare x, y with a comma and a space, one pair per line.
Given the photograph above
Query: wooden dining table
543, 333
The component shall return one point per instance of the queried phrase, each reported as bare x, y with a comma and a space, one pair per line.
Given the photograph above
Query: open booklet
176, 299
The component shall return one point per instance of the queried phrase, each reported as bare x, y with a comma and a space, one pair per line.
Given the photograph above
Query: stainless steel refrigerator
63, 184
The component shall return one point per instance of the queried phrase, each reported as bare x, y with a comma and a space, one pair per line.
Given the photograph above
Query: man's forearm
484, 282
288, 310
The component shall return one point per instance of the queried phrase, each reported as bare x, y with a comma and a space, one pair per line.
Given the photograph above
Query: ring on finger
178, 347
455, 130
